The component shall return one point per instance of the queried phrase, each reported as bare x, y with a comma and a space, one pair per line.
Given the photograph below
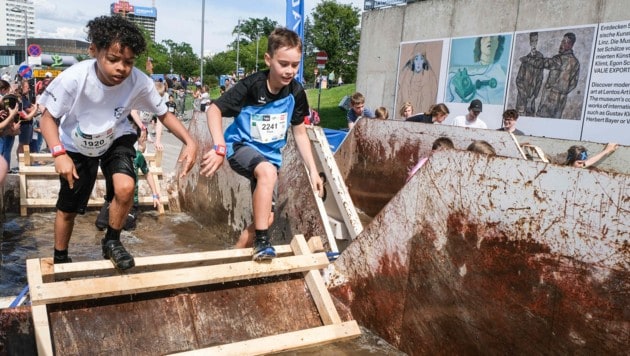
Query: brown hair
442, 143
510, 114
483, 147
357, 98
283, 37
576, 153
436, 109
381, 113
404, 106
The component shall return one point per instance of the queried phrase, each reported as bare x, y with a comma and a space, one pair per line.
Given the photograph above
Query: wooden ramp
39, 183
186, 304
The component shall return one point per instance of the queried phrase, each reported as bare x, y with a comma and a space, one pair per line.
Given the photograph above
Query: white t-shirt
461, 121
80, 99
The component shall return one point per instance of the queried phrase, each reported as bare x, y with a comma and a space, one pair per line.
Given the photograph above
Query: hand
211, 162
188, 157
611, 147
158, 145
66, 169
317, 183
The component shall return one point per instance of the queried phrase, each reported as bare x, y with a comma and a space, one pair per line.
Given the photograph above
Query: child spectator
85, 125
357, 109
509, 122
441, 143
436, 115
483, 147
577, 156
406, 110
381, 113
262, 105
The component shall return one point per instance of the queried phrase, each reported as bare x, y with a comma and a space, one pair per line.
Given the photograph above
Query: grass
331, 115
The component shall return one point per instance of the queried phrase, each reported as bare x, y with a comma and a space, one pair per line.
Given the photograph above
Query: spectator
472, 118
483, 147
441, 143
577, 156
406, 110
436, 115
357, 109
381, 113
509, 122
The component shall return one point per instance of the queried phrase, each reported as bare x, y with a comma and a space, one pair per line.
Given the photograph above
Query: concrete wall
383, 30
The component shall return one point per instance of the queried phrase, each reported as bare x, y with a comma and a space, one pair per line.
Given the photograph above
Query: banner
295, 22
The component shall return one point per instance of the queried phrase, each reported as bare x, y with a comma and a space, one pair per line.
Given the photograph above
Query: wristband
58, 151
220, 150
156, 196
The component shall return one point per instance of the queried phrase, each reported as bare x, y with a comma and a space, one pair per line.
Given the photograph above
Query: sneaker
102, 220
130, 223
114, 250
57, 261
263, 250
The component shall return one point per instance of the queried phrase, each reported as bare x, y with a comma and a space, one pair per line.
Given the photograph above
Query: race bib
266, 128
93, 145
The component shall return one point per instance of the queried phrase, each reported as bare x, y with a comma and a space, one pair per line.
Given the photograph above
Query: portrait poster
420, 68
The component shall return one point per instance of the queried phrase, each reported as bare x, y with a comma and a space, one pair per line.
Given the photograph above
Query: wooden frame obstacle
37, 175
63, 283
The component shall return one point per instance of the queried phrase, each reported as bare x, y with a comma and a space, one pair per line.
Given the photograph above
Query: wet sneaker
57, 261
114, 250
102, 220
263, 251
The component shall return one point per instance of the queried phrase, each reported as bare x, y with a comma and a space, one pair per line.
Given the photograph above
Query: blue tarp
335, 138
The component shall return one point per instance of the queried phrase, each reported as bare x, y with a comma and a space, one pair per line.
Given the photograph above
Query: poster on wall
607, 114
420, 66
478, 69
549, 78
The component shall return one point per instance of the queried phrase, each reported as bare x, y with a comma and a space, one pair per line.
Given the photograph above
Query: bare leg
64, 224
247, 236
124, 186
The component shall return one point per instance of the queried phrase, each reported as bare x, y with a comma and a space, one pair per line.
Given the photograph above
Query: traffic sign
25, 72
321, 58
34, 50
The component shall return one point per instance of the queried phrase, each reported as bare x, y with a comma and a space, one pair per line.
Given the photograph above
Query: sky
177, 20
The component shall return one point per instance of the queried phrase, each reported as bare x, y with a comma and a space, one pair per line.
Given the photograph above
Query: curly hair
104, 31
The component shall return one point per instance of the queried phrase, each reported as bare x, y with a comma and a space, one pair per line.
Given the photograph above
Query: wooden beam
283, 342
39, 312
83, 289
316, 285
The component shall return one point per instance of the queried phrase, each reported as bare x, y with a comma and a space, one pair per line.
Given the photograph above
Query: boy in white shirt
85, 124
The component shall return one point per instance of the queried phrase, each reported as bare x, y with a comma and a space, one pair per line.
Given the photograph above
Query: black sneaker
66, 259
130, 222
114, 250
102, 220
263, 251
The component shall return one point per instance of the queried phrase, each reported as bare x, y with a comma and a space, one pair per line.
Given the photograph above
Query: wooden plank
23, 195
153, 263
283, 342
316, 285
125, 284
39, 312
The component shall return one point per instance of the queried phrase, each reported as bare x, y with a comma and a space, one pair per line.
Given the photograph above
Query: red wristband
58, 151
220, 150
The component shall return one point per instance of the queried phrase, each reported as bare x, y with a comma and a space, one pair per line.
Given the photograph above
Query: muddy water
32, 237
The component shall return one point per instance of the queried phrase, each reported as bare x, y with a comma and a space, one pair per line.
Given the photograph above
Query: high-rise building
145, 17
12, 14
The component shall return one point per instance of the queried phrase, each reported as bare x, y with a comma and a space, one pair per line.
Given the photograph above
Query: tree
252, 27
335, 29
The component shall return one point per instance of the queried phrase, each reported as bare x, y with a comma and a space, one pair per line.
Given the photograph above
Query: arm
304, 147
159, 127
135, 115
610, 148
189, 154
8, 118
211, 160
154, 190
63, 163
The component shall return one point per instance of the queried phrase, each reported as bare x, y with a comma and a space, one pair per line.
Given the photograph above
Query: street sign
321, 58
321, 66
34, 50
25, 72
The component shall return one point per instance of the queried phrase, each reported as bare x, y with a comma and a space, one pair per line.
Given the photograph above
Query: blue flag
295, 22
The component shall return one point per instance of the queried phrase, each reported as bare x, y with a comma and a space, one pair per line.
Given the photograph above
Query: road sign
321, 66
25, 72
322, 57
34, 50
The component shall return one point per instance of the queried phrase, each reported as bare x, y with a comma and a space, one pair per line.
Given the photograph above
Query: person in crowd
263, 105
381, 113
436, 115
85, 125
577, 156
406, 110
483, 147
10, 125
204, 98
509, 122
357, 109
472, 118
441, 143
28, 110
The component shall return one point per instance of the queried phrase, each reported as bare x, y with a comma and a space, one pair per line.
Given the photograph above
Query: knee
124, 188
266, 174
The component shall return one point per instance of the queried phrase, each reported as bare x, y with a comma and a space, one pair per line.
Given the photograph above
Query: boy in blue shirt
263, 105
357, 109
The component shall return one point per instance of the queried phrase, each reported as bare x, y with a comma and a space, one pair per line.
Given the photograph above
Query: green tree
253, 27
335, 29
181, 58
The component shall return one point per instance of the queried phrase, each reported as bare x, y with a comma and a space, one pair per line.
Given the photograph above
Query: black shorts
244, 161
117, 159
